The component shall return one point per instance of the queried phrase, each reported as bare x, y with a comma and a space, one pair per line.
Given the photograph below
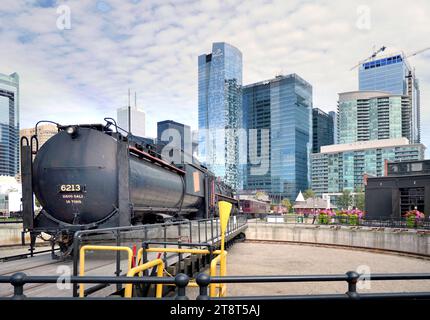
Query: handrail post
18, 281
165, 246
352, 279
203, 280
75, 262
181, 282
118, 260
198, 230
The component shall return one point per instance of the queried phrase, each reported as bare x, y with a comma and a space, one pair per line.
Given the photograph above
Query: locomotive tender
92, 176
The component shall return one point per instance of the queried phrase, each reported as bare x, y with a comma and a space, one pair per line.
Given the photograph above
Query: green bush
353, 220
343, 218
323, 219
411, 222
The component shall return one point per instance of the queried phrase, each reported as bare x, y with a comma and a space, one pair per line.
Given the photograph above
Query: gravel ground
289, 259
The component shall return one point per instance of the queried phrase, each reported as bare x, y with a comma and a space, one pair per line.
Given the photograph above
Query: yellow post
224, 215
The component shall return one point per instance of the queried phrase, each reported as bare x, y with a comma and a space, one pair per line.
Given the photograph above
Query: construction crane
383, 48
374, 54
417, 52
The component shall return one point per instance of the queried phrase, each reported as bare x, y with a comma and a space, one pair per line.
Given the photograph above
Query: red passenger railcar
254, 207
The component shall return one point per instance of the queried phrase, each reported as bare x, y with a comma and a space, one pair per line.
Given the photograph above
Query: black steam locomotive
92, 176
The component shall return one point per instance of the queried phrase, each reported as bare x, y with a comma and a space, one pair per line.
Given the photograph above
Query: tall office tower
176, 134
394, 75
9, 124
220, 111
282, 106
323, 129
342, 166
137, 119
333, 115
372, 115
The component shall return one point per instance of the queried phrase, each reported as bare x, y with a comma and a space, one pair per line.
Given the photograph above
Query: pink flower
328, 212
415, 213
355, 212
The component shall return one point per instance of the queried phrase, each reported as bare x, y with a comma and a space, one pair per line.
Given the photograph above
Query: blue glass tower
284, 106
323, 129
9, 124
220, 111
392, 74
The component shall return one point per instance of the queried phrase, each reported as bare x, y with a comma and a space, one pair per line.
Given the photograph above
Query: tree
360, 199
344, 200
287, 204
309, 193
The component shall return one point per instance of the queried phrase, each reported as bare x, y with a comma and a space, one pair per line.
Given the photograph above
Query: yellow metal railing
99, 248
221, 259
132, 272
173, 250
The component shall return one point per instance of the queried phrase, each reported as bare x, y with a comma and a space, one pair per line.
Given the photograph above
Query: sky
77, 59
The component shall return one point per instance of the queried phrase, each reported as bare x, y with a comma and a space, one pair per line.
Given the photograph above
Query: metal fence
342, 221
10, 220
206, 230
181, 281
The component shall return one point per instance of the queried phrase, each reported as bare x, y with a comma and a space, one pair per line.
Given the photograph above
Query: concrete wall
10, 233
408, 241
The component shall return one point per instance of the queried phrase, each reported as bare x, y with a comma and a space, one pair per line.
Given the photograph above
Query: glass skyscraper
323, 129
373, 115
220, 111
283, 106
392, 74
342, 167
9, 124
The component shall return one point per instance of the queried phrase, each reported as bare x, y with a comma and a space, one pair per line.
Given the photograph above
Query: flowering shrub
351, 216
413, 218
324, 215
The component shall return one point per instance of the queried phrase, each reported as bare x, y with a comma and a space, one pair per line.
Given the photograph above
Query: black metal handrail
10, 221
181, 281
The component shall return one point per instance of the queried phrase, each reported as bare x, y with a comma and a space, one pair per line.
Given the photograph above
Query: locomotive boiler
92, 176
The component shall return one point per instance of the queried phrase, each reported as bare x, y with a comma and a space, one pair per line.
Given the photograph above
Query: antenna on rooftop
129, 113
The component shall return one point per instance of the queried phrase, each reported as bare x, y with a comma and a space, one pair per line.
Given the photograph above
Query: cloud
83, 74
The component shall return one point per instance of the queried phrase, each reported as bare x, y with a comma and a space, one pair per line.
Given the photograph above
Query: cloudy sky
81, 72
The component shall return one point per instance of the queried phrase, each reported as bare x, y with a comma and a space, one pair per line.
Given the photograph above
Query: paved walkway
286, 259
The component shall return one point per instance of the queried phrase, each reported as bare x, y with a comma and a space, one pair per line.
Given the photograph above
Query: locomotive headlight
72, 131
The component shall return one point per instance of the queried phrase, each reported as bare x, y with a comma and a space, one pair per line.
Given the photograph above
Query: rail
132, 272
221, 258
205, 230
99, 248
18, 280
10, 221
